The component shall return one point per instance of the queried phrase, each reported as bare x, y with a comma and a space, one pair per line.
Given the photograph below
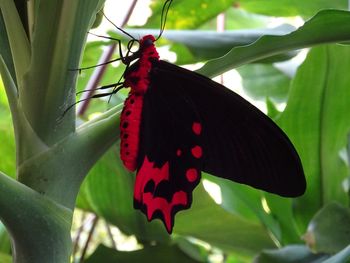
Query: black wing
240, 143
191, 124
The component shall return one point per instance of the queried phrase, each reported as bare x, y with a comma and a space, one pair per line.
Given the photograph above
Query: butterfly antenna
119, 28
164, 16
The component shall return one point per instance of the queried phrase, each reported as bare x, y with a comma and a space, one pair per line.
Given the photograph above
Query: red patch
158, 203
149, 173
197, 128
178, 152
192, 175
197, 151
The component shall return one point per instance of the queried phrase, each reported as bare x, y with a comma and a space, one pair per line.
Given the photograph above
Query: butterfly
176, 123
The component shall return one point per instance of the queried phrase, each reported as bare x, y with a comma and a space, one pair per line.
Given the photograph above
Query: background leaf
187, 14
329, 26
317, 122
289, 254
261, 81
156, 254
329, 230
305, 8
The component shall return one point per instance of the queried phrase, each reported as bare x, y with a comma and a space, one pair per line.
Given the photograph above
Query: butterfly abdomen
138, 81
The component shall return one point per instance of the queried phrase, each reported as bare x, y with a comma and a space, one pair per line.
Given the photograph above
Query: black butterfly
177, 123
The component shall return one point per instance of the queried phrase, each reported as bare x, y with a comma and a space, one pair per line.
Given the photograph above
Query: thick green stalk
39, 228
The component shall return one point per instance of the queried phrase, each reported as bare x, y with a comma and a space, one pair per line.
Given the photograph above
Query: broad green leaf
187, 14
237, 18
264, 81
329, 26
5, 243
243, 201
289, 254
149, 254
316, 120
272, 110
341, 257
282, 210
5, 258
192, 249
209, 222
329, 230
290, 7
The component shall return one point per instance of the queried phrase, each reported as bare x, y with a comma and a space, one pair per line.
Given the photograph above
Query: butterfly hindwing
170, 154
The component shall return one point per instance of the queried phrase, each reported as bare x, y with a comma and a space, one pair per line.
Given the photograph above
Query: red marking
178, 152
197, 128
197, 151
147, 173
131, 113
191, 175
158, 203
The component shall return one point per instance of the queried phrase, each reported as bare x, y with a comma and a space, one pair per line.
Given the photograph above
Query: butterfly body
177, 123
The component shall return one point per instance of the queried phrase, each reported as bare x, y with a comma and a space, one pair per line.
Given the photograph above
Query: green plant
39, 47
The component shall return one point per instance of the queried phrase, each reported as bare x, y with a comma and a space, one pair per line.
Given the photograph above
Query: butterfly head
147, 41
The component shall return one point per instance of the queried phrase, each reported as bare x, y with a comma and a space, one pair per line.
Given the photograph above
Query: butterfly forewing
239, 142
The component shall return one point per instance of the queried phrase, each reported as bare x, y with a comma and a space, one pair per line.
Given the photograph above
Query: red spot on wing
197, 152
197, 128
192, 175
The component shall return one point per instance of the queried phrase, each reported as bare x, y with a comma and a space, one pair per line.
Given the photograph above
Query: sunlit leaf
290, 7
316, 120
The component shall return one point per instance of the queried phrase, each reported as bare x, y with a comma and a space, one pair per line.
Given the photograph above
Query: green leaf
329, 230
316, 120
272, 110
187, 14
7, 149
5, 243
329, 26
290, 7
149, 254
341, 257
289, 254
209, 222
245, 202
237, 18
261, 81
5, 258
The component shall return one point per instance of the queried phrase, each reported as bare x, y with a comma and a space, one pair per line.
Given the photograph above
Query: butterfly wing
191, 124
